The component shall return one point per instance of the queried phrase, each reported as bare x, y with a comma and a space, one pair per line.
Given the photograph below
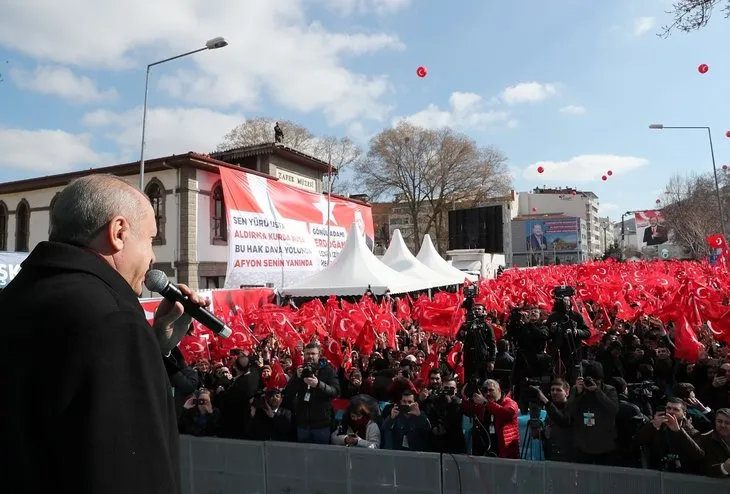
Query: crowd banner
653, 238
277, 234
10, 266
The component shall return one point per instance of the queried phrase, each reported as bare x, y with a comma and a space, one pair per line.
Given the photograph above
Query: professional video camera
563, 291
471, 291
642, 391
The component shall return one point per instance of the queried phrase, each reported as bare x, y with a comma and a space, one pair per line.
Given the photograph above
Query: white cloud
275, 51
380, 7
169, 130
643, 25
45, 151
573, 110
466, 111
61, 82
584, 168
606, 207
528, 92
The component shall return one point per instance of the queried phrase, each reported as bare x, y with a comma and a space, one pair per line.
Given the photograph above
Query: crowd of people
589, 382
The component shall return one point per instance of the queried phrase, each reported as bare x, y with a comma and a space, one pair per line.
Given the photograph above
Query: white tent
400, 258
355, 269
429, 256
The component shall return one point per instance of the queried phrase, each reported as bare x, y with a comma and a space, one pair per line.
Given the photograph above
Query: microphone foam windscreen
155, 280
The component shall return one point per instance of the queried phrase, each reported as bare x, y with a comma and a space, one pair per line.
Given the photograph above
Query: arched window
219, 228
156, 193
22, 226
3, 226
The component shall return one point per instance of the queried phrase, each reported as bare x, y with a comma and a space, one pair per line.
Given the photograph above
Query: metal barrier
223, 466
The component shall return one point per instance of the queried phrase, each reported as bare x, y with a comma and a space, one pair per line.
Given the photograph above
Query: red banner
277, 234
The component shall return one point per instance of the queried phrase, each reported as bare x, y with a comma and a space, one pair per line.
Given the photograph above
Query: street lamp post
211, 44
714, 166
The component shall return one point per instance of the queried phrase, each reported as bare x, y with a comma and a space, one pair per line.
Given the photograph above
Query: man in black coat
107, 422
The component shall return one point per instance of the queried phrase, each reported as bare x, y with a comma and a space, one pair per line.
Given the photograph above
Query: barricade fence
227, 466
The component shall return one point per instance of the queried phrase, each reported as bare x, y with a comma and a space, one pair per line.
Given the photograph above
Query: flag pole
329, 209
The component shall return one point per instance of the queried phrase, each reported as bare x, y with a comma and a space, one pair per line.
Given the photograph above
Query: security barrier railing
223, 466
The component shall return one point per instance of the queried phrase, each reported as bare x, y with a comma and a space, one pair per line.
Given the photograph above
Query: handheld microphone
156, 281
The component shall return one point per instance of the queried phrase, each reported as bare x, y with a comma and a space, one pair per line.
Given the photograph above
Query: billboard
10, 266
277, 234
551, 234
652, 234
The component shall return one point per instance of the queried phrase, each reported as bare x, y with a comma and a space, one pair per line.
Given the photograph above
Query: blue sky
569, 84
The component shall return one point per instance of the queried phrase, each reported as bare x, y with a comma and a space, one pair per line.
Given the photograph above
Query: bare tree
691, 15
340, 151
428, 172
691, 211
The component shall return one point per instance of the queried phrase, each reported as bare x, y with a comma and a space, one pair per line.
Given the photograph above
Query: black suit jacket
662, 236
88, 402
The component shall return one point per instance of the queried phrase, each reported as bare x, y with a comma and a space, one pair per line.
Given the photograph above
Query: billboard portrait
651, 230
551, 234
277, 234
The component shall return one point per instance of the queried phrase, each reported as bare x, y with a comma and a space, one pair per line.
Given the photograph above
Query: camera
588, 381
403, 408
309, 370
563, 291
200, 401
643, 390
471, 291
258, 400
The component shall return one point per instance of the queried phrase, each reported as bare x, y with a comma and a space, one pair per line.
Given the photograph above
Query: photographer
269, 421
530, 335
311, 392
668, 439
558, 434
480, 347
199, 417
567, 331
406, 428
442, 407
593, 407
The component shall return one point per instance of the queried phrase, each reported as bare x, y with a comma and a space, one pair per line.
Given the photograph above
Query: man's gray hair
86, 205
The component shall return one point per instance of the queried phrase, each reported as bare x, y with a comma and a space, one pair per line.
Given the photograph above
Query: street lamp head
656, 126
215, 43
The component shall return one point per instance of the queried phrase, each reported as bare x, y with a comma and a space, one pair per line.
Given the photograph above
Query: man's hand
659, 420
311, 381
415, 410
351, 440
672, 423
579, 385
269, 411
171, 323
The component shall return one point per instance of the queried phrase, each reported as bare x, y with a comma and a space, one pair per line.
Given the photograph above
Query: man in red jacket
496, 428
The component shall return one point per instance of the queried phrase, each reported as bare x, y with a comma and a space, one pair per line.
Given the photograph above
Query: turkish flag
716, 241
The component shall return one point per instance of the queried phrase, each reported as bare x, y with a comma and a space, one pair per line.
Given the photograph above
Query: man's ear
116, 232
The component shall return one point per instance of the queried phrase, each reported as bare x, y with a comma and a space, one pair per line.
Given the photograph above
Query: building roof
538, 216
562, 190
291, 154
196, 160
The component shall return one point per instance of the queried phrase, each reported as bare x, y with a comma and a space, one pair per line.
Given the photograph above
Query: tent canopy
429, 256
355, 269
400, 258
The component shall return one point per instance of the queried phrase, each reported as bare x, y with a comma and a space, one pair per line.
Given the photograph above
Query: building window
22, 227
3, 226
212, 282
219, 229
156, 194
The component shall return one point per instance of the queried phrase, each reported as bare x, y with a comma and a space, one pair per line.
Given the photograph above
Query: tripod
532, 438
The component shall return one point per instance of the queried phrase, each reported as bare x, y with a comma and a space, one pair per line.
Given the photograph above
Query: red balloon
727, 133
573, 192
540, 169
658, 201
421, 71
534, 209
724, 167
703, 68
609, 173
604, 178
